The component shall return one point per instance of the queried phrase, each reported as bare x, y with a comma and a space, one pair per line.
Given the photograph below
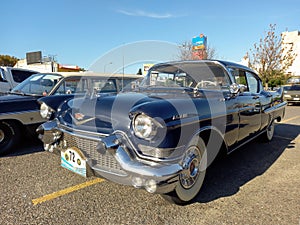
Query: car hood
109, 113
15, 103
293, 92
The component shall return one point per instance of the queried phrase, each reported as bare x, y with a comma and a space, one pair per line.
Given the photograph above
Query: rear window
20, 75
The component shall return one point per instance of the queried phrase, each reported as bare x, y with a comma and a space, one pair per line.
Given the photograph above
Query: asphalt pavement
258, 184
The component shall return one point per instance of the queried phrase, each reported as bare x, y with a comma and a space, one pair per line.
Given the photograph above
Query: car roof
17, 68
224, 63
94, 74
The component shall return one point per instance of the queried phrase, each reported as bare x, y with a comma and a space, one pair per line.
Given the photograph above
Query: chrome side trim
25, 117
81, 133
275, 107
245, 142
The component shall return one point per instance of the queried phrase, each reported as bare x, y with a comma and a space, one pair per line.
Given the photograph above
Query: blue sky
79, 32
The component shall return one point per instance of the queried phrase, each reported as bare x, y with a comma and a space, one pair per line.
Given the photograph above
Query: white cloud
147, 14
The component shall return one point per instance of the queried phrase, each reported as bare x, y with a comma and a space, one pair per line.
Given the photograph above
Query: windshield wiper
152, 86
17, 92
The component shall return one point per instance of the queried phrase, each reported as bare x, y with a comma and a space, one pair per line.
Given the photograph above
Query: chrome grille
104, 162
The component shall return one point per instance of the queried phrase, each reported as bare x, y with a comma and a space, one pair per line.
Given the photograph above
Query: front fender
54, 101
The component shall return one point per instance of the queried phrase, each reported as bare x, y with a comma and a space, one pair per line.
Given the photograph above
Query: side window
253, 84
246, 78
221, 76
105, 85
20, 75
70, 86
2, 76
61, 89
129, 84
239, 76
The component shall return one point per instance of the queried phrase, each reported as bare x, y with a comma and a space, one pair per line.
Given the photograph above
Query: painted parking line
292, 118
66, 191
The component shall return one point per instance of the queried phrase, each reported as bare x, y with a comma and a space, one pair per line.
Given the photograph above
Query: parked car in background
293, 80
20, 110
163, 135
11, 77
292, 93
98, 85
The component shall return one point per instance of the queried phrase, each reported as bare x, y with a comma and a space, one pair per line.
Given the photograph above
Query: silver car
292, 93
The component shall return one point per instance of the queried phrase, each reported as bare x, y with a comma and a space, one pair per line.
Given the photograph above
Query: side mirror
234, 89
243, 88
237, 88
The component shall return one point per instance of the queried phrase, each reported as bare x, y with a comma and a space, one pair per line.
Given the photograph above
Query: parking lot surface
258, 184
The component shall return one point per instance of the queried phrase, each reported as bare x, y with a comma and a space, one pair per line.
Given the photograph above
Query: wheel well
215, 144
16, 122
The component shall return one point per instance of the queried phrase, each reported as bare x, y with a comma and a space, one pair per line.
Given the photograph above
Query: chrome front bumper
158, 177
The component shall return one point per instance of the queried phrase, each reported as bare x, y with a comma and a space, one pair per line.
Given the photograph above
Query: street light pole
106, 65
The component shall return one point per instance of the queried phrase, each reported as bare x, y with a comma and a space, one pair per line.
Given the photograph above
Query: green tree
7, 60
271, 57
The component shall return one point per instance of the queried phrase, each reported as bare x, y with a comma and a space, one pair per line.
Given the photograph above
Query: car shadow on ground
26, 146
228, 174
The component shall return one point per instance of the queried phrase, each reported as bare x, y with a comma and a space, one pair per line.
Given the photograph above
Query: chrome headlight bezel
46, 111
145, 127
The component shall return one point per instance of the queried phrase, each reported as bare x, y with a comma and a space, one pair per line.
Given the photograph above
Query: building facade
46, 67
293, 38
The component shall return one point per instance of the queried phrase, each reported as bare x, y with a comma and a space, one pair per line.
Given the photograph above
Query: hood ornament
79, 116
78, 119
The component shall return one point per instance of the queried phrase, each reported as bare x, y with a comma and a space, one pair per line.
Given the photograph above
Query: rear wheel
268, 135
9, 135
192, 176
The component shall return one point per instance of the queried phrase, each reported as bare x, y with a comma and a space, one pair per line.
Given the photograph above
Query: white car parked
11, 77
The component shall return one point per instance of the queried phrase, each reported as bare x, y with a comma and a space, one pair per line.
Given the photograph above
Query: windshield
292, 80
81, 85
188, 75
37, 84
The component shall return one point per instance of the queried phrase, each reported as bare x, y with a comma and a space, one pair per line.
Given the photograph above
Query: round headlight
45, 111
144, 127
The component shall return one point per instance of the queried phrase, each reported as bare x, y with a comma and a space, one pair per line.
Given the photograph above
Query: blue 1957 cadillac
164, 134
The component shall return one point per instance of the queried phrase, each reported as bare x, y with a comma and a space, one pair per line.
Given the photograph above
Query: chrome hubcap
191, 167
2, 136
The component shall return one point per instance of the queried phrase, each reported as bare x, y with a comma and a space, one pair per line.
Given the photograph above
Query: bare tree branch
271, 57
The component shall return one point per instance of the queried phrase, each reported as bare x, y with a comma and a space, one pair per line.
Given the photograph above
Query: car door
249, 104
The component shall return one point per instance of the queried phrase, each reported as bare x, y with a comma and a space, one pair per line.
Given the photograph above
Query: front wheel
9, 135
192, 176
